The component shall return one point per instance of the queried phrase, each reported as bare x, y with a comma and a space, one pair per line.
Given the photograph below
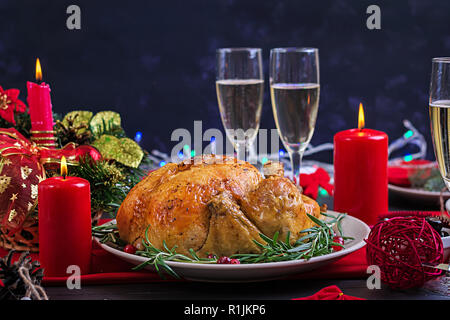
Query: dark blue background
154, 61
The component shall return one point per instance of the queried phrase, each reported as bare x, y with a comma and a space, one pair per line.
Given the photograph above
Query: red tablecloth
108, 269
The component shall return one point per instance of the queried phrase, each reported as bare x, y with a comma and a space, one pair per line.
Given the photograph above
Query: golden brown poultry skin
173, 201
277, 205
230, 231
213, 204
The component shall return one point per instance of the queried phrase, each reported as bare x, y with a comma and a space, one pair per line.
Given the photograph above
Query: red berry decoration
129, 249
400, 247
235, 261
224, 260
340, 240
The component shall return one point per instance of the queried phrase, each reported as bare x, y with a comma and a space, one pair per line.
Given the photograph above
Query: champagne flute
240, 89
439, 107
295, 89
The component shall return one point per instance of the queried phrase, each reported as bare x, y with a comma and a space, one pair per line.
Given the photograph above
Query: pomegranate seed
224, 260
235, 261
211, 256
340, 240
129, 249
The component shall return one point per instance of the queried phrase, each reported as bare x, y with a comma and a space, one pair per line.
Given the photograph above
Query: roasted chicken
214, 205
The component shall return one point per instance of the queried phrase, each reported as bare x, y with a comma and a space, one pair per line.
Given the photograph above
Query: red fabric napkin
329, 293
353, 266
399, 173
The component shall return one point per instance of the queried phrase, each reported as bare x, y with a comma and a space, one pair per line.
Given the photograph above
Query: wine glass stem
296, 162
242, 151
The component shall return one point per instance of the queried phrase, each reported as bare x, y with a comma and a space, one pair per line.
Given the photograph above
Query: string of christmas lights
412, 136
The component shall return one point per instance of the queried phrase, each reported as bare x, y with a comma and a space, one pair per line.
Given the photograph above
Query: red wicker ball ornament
400, 246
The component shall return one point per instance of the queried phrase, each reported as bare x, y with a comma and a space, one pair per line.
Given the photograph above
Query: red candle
64, 224
41, 114
360, 172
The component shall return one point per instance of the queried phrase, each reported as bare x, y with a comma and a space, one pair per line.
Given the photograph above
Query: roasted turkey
214, 205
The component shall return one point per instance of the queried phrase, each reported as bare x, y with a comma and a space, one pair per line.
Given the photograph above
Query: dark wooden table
271, 290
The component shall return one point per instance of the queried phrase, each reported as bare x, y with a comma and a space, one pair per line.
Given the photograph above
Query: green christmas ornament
78, 118
105, 121
124, 150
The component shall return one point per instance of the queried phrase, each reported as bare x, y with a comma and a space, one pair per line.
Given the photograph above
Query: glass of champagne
240, 90
295, 89
439, 106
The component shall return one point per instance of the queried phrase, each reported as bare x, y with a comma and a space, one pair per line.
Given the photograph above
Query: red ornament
400, 247
84, 150
9, 104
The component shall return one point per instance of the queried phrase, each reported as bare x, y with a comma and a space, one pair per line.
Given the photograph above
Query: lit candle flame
38, 70
63, 167
361, 121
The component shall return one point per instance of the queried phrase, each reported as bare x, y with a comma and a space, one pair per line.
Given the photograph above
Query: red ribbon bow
329, 293
15, 145
311, 182
12, 142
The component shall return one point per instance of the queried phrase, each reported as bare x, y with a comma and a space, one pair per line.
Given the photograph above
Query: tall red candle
360, 172
64, 225
41, 115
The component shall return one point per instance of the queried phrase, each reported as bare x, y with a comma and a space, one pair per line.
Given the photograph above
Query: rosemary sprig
108, 234
314, 241
158, 258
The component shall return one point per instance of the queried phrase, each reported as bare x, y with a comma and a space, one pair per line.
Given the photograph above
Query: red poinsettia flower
10, 104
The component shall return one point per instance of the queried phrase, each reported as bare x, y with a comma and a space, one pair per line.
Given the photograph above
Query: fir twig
108, 188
